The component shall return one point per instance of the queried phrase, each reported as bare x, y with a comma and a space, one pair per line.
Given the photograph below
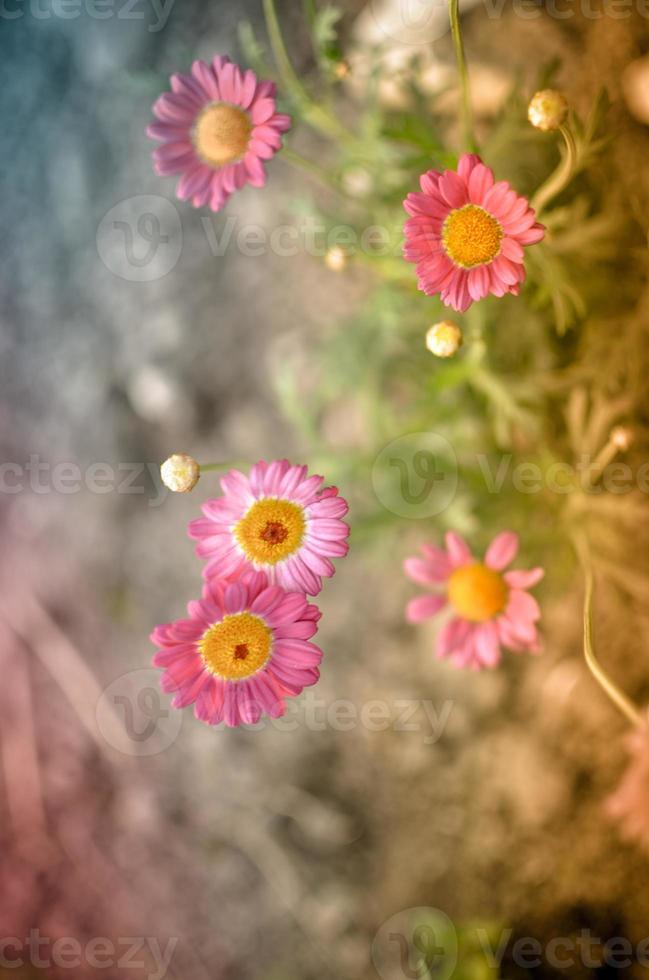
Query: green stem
465, 88
314, 114
311, 11
561, 177
624, 704
302, 163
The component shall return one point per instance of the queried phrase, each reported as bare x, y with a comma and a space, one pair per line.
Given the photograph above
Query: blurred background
131, 327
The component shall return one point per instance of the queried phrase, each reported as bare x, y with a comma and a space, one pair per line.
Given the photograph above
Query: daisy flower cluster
246, 645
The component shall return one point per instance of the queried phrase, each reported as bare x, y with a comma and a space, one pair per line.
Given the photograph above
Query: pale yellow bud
547, 110
635, 86
336, 259
180, 473
444, 339
621, 438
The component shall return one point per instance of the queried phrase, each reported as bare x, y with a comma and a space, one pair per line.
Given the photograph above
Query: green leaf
324, 26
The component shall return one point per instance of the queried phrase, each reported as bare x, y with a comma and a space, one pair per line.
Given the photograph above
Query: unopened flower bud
444, 339
621, 438
336, 259
635, 86
547, 109
180, 473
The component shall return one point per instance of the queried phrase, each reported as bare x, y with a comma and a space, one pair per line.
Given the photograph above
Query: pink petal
519, 579
248, 88
452, 636
486, 644
453, 189
422, 571
458, 550
262, 110
511, 249
480, 181
478, 283
522, 608
467, 163
205, 77
502, 551
423, 607
534, 235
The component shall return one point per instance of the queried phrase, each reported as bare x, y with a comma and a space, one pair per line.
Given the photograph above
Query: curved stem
561, 177
624, 704
465, 88
315, 114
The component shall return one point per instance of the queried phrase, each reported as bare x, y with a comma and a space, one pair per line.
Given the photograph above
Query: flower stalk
465, 87
623, 703
316, 115
561, 177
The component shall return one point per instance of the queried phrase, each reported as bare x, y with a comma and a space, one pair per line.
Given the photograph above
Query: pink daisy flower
217, 127
243, 650
466, 234
490, 607
277, 520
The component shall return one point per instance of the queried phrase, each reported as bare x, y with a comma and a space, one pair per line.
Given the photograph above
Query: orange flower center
477, 592
271, 530
221, 134
236, 647
471, 236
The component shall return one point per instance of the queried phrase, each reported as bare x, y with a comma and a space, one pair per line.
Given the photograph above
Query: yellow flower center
221, 134
477, 592
471, 236
236, 647
271, 530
